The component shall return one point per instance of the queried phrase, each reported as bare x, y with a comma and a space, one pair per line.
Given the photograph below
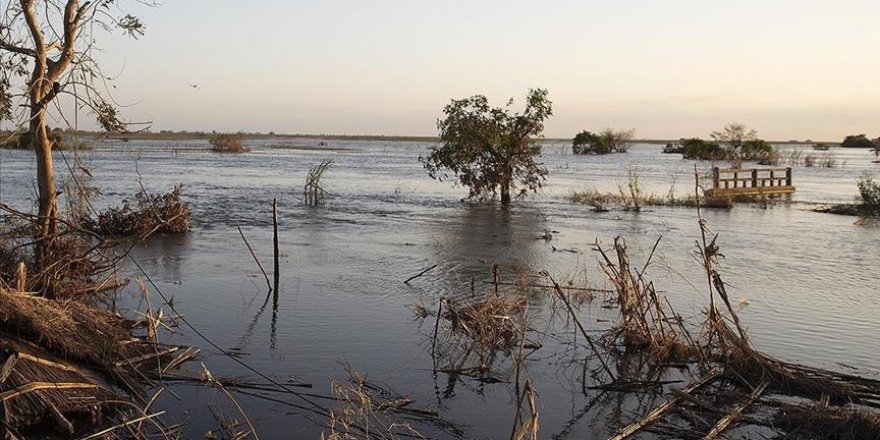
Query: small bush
228, 143
869, 191
149, 214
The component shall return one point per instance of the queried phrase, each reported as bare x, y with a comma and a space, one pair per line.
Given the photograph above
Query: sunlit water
806, 282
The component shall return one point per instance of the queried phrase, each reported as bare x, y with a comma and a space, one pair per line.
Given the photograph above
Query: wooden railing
738, 181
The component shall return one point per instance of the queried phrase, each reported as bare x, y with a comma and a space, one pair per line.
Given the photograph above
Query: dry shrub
647, 320
490, 325
72, 261
228, 143
165, 213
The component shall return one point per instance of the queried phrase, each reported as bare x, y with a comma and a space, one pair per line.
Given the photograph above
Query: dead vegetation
313, 190
731, 380
69, 364
148, 214
369, 410
228, 143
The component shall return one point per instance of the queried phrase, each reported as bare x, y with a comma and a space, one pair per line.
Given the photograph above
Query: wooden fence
748, 182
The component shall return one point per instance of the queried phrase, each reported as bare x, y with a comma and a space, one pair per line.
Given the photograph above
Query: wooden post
754, 177
788, 176
275, 242
716, 178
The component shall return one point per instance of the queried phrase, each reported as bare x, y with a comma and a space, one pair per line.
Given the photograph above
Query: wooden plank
748, 191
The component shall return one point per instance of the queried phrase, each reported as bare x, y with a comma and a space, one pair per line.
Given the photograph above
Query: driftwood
665, 407
419, 274
725, 421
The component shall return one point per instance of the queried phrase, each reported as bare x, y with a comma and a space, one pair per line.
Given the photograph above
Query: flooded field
805, 282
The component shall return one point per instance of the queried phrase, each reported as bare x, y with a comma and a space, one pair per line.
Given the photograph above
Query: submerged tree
491, 150
608, 141
47, 47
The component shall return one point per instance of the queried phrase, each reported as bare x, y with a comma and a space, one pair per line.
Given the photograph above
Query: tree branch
72, 15
19, 50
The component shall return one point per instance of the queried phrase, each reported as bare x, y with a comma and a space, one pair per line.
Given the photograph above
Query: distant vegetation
859, 141
734, 142
491, 150
696, 148
605, 142
228, 143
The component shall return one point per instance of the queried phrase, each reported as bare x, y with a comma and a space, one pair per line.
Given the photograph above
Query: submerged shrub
869, 191
696, 148
608, 141
150, 214
228, 143
760, 151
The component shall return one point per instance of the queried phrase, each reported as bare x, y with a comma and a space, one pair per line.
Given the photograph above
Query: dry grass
828, 422
368, 411
634, 201
487, 325
647, 321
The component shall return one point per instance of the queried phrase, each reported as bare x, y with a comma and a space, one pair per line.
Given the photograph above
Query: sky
675, 68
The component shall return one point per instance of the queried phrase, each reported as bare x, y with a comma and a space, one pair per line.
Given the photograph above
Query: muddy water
806, 282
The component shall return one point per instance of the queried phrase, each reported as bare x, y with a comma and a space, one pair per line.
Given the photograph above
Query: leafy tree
733, 136
608, 141
857, 141
491, 150
696, 148
48, 46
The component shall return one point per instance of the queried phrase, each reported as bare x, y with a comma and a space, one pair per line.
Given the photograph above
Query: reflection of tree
482, 236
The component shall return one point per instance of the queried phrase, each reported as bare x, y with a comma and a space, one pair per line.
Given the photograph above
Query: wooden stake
275, 242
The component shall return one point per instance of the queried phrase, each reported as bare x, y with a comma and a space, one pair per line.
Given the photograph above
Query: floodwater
806, 282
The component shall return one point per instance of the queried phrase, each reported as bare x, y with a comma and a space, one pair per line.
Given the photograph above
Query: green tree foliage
491, 150
869, 190
857, 141
696, 148
605, 142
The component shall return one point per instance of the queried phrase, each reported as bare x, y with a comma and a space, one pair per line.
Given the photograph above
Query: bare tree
46, 47
733, 136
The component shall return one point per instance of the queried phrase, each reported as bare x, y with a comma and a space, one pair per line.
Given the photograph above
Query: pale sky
673, 68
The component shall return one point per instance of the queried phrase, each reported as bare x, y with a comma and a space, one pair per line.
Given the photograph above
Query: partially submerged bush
857, 141
228, 143
608, 141
149, 214
696, 148
760, 151
869, 191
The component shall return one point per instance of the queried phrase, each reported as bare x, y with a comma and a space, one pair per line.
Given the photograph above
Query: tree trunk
505, 186
48, 199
